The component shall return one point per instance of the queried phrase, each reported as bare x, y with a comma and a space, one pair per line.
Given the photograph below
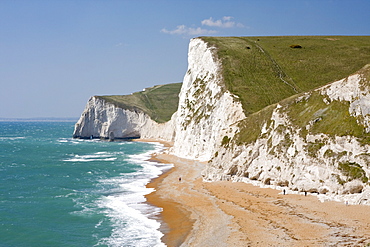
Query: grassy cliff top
159, 102
311, 109
265, 70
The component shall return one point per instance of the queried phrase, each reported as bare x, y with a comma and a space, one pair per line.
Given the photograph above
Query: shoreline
226, 213
176, 224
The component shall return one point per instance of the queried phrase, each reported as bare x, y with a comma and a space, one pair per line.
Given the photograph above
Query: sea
60, 191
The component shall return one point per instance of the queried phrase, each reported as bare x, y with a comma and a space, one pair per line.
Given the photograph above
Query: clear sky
55, 54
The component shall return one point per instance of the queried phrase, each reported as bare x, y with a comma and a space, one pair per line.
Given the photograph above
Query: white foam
88, 160
131, 227
130, 215
63, 140
99, 156
4, 138
70, 140
123, 200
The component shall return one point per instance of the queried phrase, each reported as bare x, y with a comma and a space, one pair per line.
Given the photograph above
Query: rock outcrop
101, 119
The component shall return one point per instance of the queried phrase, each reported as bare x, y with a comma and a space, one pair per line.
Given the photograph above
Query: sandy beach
224, 213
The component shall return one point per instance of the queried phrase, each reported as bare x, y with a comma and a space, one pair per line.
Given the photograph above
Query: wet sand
198, 213
177, 223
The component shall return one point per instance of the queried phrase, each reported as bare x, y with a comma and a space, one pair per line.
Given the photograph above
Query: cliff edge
145, 114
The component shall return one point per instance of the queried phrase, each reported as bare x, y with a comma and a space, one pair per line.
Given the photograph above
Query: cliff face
327, 154
101, 119
315, 141
207, 111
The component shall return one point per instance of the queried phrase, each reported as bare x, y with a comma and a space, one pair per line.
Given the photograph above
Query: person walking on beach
179, 179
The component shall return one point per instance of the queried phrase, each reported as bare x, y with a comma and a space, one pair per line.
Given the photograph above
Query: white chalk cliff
102, 119
280, 156
336, 167
206, 109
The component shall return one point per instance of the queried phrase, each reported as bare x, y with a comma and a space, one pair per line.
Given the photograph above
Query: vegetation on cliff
265, 70
159, 102
310, 109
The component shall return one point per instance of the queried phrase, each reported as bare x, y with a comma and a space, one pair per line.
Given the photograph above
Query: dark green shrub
225, 141
353, 171
295, 46
283, 183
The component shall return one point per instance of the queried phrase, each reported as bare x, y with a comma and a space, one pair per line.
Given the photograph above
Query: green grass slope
332, 119
159, 102
265, 70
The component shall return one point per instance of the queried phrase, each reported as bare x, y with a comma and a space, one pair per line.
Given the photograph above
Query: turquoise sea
59, 191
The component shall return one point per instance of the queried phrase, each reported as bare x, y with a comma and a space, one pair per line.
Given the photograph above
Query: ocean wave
149, 168
129, 217
133, 220
121, 199
88, 160
11, 138
69, 140
140, 158
63, 140
99, 156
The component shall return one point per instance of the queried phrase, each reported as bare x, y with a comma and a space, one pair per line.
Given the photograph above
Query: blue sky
55, 54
